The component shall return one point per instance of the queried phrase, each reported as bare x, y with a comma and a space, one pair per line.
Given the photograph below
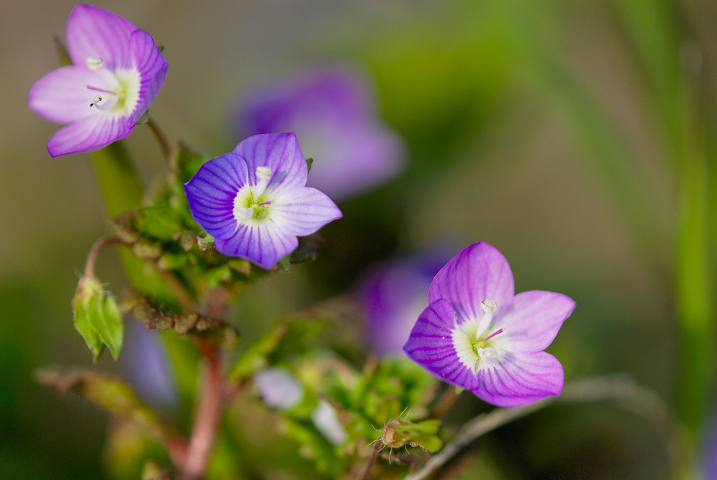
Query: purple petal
98, 33
61, 96
355, 158
478, 273
211, 193
302, 211
281, 153
262, 243
531, 321
88, 135
152, 66
431, 343
519, 378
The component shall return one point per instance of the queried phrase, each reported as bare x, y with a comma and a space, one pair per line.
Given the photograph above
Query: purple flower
476, 334
332, 112
116, 75
393, 295
254, 202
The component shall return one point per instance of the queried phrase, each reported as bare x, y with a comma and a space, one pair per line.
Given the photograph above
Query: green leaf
158, 221
97, 318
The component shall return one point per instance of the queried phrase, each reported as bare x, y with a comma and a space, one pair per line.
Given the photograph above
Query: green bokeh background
573, 136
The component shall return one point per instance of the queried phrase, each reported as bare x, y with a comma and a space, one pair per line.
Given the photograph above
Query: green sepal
309, 163
285, 263
399, 432
97, 318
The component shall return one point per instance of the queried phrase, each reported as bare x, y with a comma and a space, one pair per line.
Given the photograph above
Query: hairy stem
632, 396
208, 413
372, 461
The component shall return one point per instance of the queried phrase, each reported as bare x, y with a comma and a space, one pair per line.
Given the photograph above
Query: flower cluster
477, 334
116, 74
254, 202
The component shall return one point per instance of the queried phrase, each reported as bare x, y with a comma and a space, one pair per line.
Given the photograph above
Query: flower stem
95, 251
160, 136
633, 397
208, 413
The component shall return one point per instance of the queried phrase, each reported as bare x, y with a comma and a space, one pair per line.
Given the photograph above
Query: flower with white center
476, 334
253, 200
116, 74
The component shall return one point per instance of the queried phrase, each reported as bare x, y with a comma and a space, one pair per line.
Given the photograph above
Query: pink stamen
90, 87
493, 335
264, 203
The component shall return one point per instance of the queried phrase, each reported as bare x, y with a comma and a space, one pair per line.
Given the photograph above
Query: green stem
693, 282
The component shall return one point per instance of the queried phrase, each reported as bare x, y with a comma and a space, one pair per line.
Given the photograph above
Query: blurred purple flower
333, 114
253, 201
148, 368
393, 296
116, 75
476, 334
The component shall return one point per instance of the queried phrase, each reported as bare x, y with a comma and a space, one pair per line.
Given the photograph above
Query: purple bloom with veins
254, 202
116, 75
478, 335
333, 114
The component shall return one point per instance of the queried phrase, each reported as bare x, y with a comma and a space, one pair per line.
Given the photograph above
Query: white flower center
117, 94
472, 340
252, 202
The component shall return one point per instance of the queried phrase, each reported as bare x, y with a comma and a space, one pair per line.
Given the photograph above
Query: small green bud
97, 317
